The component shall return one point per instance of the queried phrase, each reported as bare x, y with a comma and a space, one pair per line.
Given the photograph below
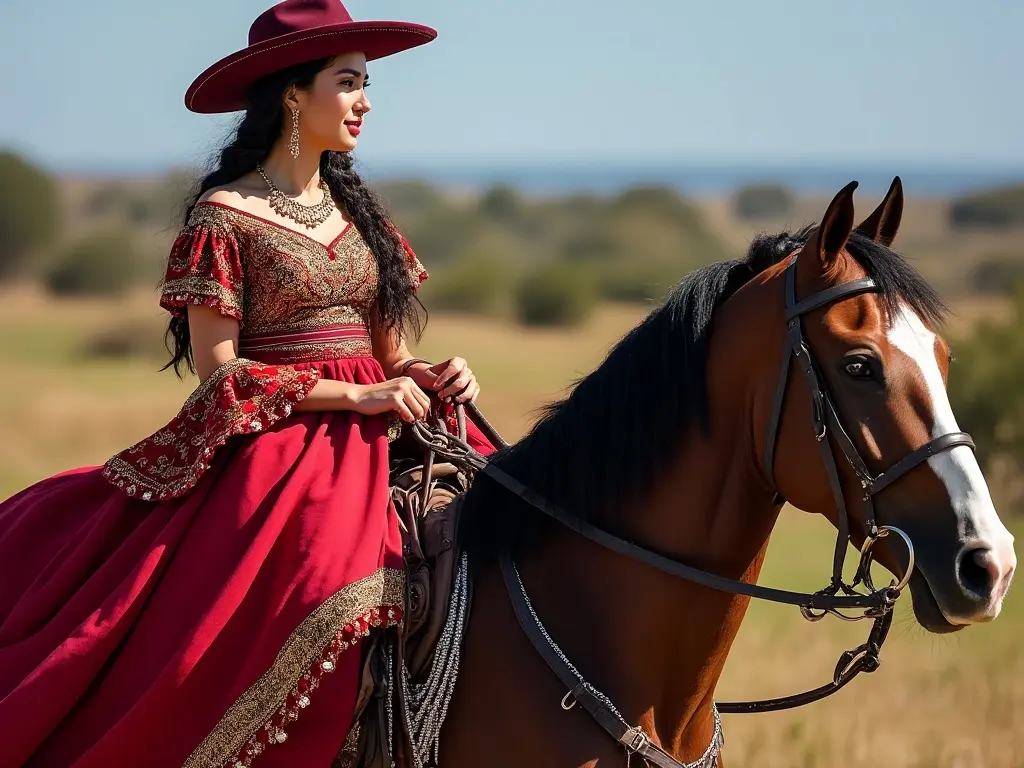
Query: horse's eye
858, 369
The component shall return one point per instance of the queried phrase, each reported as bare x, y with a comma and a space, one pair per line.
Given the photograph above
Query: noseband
876, 604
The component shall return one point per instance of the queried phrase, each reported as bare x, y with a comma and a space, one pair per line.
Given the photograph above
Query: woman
199, 600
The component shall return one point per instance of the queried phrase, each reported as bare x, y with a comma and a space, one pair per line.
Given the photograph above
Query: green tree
30, 214
103, 264
658, 201
985, 388
1001, 207
502, 203
556, 294
474, 285
762, 201
998, 273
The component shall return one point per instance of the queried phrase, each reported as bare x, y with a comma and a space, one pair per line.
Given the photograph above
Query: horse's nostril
977, 572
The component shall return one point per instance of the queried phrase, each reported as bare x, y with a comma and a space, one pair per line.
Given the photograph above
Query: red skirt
211, 627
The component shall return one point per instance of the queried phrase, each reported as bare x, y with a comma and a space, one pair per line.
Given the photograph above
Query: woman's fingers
469, 394
463, 380
409, 395
403, 411
449, 371
422, 398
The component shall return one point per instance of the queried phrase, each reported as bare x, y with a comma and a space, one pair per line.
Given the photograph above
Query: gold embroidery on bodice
291, 281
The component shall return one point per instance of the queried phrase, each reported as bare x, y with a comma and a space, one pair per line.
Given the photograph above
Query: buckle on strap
635, 739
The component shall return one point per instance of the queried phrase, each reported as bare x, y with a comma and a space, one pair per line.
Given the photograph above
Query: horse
809, 371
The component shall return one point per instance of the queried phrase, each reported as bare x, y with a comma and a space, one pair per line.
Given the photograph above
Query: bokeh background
557, 166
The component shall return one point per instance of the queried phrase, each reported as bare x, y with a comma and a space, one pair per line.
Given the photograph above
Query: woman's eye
858, 369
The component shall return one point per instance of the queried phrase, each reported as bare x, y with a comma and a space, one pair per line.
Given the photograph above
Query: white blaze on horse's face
959, 471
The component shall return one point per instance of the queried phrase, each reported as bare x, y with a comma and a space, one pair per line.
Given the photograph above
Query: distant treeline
537, 260
550, 260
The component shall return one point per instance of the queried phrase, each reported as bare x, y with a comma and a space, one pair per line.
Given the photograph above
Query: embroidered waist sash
328, 343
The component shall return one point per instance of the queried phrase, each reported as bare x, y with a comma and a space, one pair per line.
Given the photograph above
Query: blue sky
100, 84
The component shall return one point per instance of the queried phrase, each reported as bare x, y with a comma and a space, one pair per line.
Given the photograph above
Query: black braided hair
261, 127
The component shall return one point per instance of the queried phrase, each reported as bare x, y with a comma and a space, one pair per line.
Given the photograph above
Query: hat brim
223, 86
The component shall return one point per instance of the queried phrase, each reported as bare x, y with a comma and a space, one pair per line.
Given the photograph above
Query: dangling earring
293, 143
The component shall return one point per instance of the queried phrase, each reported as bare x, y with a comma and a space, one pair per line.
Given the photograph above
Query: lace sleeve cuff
240, 397
177, 294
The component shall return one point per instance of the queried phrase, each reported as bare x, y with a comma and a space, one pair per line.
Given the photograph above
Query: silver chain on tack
389, 702
710, 757
425, 705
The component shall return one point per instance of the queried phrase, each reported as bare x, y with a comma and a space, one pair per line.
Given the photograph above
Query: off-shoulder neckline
326, 246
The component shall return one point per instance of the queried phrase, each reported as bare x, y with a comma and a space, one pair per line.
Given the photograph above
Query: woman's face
331, 110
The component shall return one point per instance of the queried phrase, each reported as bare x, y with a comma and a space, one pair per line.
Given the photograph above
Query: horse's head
881, 367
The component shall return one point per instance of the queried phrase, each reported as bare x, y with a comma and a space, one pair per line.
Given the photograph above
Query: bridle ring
865, 552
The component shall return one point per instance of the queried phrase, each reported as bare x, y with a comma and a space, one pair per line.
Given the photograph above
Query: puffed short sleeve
417, 273
204, 266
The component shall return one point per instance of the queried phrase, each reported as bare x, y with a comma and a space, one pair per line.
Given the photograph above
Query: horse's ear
836, 227
882, 225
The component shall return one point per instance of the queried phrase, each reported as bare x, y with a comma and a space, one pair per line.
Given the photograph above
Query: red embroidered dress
195, 601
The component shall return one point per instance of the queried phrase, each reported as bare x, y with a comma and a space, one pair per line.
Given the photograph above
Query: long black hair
398, 307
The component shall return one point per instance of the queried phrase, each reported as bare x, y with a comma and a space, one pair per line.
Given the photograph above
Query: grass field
955, 701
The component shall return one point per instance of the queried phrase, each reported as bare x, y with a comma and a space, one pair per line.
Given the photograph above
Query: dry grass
952, 701
936, 702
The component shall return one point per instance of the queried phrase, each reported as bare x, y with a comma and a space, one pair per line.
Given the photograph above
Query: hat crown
290, 33
295, 16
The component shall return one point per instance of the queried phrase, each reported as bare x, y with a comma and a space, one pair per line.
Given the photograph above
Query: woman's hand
452, 378
402, 395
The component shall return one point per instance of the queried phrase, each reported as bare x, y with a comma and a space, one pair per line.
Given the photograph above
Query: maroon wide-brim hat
293, 32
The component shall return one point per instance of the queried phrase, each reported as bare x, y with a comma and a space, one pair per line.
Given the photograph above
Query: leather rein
837, 597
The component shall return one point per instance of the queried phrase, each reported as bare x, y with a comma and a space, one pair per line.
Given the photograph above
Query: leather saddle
429, 520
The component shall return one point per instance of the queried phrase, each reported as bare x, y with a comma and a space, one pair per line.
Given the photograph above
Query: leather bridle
826, 420
876, 604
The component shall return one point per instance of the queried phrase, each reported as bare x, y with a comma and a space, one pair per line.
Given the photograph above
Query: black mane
614, 433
